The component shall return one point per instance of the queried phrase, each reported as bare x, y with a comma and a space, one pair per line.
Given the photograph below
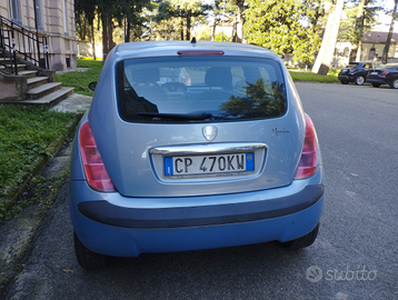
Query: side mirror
92, 85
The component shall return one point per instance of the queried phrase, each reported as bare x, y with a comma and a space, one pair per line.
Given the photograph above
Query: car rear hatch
225, 127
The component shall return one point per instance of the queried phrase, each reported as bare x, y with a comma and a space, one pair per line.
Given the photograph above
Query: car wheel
360, 80
394, 83
376, 84
88, 259
302, 242
344, 81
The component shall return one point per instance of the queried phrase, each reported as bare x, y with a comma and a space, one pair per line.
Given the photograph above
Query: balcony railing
17, 41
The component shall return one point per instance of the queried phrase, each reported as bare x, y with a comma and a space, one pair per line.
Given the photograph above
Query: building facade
54, 19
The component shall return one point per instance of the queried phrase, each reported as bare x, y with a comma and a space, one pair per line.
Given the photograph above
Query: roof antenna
193, 41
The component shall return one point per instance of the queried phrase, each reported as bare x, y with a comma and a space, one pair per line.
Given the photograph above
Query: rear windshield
199, 89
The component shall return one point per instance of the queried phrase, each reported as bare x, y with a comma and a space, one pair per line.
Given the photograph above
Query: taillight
384, 73
96, 173
353, 70
308, 161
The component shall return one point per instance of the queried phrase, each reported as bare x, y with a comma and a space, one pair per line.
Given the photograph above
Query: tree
278, 25
239, 21
389, 36
361, 16
231, 12
111, 14
185, 10
85, 14
324, 57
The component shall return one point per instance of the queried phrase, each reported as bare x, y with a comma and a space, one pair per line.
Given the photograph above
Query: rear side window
199, 89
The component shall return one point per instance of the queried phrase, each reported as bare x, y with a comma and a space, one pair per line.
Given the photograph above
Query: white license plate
233, 163
374, 73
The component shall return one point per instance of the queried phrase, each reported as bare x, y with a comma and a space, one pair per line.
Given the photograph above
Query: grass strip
30, 136
80, 80
331, 77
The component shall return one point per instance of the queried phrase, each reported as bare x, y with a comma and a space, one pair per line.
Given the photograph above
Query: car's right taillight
384, 73
96, 173
308, 161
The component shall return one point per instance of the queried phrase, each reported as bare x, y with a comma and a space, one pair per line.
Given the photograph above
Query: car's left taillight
309, 160
96, 174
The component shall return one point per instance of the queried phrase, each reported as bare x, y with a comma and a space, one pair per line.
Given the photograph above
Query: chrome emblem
209, 132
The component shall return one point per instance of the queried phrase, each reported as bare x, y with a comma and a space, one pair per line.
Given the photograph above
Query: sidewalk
73, 103
17, 234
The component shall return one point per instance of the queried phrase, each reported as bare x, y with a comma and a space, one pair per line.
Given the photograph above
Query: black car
386, 74
356, 72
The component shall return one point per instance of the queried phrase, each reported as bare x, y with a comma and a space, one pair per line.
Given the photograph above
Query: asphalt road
354, 257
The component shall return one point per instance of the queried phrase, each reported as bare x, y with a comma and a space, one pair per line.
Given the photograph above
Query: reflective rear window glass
199, 89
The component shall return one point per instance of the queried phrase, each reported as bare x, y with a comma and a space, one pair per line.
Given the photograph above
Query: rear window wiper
182, 117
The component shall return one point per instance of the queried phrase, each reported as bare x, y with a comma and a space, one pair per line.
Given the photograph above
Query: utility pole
325, 55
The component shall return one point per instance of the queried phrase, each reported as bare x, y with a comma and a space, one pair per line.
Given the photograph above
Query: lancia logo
209, 132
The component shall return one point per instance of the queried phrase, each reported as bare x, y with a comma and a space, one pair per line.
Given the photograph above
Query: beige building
373, 45
54, 19
372, 49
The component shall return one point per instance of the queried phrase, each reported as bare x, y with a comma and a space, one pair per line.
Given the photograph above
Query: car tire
344, 81
302, 242
360, 80
88, 259
376, 85
394, 83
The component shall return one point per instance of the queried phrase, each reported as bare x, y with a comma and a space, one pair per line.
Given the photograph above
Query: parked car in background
356, 72
385, 74
226, 158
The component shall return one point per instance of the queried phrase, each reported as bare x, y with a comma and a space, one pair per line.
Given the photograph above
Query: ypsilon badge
209, 132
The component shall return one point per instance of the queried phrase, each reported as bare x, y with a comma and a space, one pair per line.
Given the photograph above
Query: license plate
237, 163
374, 73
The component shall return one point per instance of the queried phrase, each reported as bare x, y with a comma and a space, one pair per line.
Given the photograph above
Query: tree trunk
93, 41
109, 23
189, 17
213, 32
235, 30
240, 20
325, 55
105, 48
359, 52
360, 21
387, 46
182, 28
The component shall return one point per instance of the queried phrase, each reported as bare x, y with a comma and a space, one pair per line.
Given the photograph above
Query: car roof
364, 62
170, 48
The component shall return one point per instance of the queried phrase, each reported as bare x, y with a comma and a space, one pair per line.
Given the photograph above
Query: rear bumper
222, 221
164, 218
346, 77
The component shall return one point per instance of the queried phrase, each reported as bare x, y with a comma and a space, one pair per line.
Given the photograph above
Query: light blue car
226, 158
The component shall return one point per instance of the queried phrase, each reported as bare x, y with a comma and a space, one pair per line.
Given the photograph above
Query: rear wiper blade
193, 116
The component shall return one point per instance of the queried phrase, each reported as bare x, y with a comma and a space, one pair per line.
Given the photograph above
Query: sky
384, 19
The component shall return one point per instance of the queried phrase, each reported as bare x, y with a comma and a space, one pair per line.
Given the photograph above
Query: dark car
386, 74
356, 72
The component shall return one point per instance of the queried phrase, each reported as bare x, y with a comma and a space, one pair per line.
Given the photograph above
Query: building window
39, 14
14, 11
64, 3
372, 53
